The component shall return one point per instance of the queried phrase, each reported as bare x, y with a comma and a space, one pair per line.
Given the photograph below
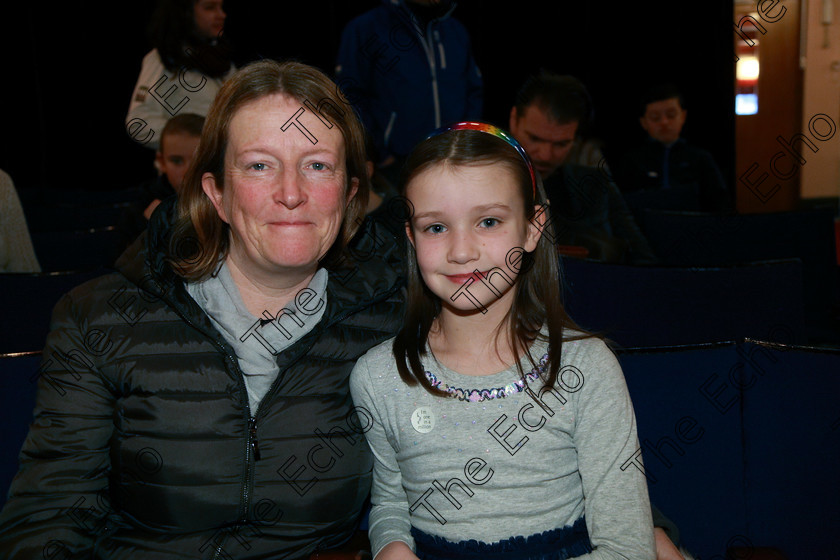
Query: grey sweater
486, 467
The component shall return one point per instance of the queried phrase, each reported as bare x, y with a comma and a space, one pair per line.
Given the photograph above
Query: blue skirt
557, 544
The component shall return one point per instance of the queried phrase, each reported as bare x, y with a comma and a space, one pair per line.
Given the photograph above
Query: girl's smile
460, 279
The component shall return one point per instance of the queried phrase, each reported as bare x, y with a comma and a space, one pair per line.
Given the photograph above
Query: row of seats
678, 238
27, 301
77, 229
721, 278
739, 442
34, 200
61, 251
633, 306
712, 422
707, 240
665, 306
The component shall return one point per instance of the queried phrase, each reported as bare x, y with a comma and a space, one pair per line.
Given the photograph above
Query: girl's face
209, 18
469, 229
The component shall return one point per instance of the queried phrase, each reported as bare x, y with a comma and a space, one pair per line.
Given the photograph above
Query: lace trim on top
479, 395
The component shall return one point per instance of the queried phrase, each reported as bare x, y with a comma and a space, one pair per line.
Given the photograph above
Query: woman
185, 69
196, 404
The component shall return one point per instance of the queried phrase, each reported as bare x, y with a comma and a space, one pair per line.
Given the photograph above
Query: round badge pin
423, 419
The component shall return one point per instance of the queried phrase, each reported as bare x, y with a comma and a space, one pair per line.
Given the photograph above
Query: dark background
69, 71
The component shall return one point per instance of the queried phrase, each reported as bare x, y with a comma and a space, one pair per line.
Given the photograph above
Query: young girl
498, 429
183, 72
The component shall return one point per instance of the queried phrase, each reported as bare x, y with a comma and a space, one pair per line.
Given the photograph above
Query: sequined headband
498, 133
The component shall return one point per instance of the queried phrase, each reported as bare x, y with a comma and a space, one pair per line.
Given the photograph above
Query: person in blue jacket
407, 67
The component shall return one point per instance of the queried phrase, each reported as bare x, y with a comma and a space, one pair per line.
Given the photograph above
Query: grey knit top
257, 343
501, 458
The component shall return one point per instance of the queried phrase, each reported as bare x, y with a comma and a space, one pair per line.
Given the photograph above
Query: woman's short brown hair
200, 238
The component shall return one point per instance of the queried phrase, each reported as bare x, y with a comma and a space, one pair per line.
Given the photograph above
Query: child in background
190, 60
178, 143
666, 172
498, 428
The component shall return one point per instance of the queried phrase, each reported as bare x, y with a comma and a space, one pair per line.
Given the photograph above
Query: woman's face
284, 196
209, 18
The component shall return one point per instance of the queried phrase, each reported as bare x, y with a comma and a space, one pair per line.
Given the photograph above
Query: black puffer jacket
142, 445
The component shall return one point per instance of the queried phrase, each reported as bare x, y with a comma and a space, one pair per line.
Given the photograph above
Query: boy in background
666, 172
178, 143
589, 214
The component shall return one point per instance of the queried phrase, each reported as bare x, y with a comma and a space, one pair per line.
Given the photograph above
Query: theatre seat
664, 306
741, 445
66, 217
18, 381
697, 239
32, 198
77, 250
27, 301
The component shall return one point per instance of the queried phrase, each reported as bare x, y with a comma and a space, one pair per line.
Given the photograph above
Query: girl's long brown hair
537, 299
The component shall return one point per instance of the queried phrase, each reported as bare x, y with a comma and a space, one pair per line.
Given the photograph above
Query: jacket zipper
251, 444
251, 448
440, 50
255, 444
251, 441
430, 53
390, 127
428, 48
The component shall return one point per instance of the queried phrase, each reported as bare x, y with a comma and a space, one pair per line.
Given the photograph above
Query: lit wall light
746, 69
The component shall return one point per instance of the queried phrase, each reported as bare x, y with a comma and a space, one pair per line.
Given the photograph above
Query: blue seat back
27, 301
692, 453
18, 387
744, 443
695, 239
664, 306
77, 250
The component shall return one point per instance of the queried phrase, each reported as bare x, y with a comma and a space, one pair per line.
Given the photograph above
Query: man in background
589, 215
407, 67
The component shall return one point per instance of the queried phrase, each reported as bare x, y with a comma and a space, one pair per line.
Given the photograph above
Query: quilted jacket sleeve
57, 502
